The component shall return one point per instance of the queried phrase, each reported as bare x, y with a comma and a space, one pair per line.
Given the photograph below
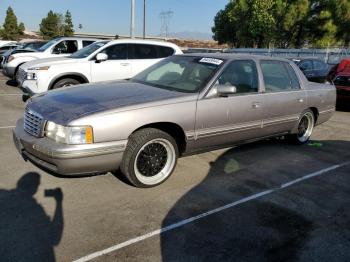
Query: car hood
48, 62
67, 104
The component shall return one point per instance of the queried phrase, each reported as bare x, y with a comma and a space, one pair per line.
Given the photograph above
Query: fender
67, 74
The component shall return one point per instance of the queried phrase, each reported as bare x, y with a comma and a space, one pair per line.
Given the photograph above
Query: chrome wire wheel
155, 161
305, 127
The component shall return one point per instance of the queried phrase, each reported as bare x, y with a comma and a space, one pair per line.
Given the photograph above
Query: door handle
301, 100
255, 105
124, 64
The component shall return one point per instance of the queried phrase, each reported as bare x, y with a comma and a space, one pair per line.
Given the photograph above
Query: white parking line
200, 216
7, 127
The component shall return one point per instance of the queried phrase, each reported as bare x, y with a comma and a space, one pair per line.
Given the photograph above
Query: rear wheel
150, 157
305, 128
66, 82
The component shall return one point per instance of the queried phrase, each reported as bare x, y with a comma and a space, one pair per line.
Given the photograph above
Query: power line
165, 17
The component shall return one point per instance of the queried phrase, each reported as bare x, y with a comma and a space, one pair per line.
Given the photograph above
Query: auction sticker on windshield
209, 60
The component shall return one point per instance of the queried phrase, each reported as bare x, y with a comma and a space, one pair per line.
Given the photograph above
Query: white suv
58, 47
101, 61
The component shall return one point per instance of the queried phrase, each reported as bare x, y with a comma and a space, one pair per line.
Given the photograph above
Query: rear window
164, 51
278, 77
87, 42
141, 51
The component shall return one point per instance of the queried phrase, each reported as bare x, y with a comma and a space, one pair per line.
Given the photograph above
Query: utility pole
132, 22
144, 19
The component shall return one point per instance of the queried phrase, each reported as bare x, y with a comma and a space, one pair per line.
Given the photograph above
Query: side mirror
226, 90
100, 57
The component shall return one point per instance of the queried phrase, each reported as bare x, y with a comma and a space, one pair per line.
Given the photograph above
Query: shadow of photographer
27, 232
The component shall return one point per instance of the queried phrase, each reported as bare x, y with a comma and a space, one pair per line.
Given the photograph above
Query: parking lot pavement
307, 221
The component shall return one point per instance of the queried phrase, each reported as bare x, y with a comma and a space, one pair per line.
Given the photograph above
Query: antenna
165, 22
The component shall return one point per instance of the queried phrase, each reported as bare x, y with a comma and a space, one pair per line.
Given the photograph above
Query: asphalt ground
266, 201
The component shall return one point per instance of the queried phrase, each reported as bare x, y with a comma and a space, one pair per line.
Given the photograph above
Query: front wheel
65, 82
304, 129
150, 157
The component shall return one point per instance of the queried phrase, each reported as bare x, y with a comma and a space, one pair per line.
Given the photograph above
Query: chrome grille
21, 76
33, 123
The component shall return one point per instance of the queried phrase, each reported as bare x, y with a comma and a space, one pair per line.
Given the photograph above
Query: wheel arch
315, 112
77, 76
173, 129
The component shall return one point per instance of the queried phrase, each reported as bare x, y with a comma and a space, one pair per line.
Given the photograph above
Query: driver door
116, 67
223, 120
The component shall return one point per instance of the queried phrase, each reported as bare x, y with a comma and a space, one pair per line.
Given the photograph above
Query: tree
283, 23
21, 29
80, 26
68, 26
51, 25
11, 30
262, 22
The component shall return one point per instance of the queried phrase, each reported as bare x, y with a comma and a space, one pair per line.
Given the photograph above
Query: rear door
284, 100
116, 67
225, 120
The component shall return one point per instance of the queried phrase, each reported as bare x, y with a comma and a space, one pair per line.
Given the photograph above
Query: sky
113, 16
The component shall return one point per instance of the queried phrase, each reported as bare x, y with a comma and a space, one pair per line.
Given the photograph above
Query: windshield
48, 44
180, 73
88, 50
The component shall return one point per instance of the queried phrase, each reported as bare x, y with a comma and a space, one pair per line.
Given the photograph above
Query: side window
66, 47
143, 51
242, 74
117, 52
305, 65
87, 42
164, 51
276, 76
294, 78
342, 81
319, 65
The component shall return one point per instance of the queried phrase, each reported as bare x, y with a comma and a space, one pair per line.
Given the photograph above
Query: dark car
314, 69
26, 47
342, 83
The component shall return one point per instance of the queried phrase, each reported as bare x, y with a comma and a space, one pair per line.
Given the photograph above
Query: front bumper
65, 159
8, 71
27, 86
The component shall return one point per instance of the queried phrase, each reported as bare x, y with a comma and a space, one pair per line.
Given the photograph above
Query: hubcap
305, 127
154, 161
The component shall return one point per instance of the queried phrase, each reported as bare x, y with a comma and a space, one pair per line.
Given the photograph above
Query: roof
230, 56
141, 41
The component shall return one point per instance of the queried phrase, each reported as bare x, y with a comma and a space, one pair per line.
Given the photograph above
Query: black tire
65, 82
304, 129
135, 155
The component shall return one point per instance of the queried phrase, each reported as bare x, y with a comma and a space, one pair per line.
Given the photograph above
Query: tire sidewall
130, 165
296, 137
62, 82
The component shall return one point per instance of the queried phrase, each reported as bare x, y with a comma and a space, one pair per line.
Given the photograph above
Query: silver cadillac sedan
182, 105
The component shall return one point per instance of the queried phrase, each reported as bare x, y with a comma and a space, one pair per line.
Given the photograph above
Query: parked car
58, 47
26, 47
181, 105
100, 61
343, 67
314, 69
342, 84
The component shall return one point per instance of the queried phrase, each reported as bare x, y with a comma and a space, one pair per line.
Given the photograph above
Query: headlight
73, 135
10, 58
40, 68
31, 76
